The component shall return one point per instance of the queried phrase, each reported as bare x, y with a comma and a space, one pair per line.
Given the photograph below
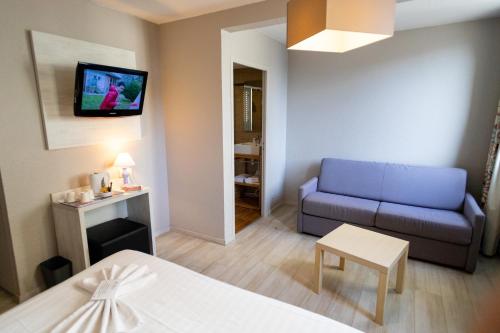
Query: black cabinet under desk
116, 235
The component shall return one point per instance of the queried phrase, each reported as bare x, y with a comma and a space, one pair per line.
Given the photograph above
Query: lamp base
126, 176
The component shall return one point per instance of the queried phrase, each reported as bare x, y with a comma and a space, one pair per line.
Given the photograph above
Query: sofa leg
470, 268
299, 222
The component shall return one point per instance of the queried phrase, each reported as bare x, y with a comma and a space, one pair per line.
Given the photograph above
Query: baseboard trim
212, 239
161, 231
276, 206
290, 203
196, 234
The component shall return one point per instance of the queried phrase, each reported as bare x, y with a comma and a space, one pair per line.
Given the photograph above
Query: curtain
491, 192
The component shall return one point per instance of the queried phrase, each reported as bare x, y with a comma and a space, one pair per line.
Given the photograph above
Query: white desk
71, 223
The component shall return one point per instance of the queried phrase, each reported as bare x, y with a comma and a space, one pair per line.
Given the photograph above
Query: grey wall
425, 97
30, 172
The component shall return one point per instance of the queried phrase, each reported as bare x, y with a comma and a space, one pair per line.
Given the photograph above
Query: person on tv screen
111, 99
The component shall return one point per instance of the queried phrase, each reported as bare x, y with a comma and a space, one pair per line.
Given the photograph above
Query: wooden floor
244, 217
269, 257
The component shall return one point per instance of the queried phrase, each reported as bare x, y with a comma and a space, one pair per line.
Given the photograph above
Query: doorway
248, 100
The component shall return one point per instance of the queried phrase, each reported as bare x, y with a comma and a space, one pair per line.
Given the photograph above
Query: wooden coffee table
368, 248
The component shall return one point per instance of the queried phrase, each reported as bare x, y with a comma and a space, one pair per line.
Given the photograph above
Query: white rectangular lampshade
338, 25
124, 160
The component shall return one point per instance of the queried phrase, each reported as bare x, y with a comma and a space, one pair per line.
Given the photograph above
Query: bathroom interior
248, 144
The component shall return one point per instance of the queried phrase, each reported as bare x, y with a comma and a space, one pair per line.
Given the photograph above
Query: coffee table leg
342, 263
400, 282
318, 270
383, 282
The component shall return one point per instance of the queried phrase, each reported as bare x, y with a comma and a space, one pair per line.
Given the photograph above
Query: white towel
105, 312
252, 180
241, 178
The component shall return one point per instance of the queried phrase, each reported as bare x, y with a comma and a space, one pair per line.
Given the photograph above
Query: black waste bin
56, 270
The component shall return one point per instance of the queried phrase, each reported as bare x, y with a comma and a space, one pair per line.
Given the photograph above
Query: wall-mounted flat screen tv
105, 91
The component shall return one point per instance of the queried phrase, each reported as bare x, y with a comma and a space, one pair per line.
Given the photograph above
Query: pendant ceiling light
338, 25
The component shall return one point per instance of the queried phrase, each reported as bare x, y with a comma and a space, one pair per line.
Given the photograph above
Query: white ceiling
163, 11
412, 14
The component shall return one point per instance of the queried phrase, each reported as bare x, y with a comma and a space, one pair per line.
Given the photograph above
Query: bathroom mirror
251, 96
248, 109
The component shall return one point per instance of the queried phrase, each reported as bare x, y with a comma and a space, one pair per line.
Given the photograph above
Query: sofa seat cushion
341, 208
441, 225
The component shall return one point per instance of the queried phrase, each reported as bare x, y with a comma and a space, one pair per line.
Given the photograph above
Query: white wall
425, 97
261, 52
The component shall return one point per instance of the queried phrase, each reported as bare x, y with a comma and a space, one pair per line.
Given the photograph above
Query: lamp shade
338, 25
124, 160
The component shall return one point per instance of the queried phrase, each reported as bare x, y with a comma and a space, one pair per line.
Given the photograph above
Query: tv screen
104, 91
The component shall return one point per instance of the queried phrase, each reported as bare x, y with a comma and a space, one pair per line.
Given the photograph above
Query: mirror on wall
249, 107
248, 104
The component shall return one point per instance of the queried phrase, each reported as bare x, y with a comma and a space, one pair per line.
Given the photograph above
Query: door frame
264, 209
263, 131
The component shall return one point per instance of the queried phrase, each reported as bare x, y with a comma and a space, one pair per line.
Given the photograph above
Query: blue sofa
427, 206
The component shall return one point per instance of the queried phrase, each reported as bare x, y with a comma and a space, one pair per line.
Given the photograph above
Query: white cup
70, 197
85, 197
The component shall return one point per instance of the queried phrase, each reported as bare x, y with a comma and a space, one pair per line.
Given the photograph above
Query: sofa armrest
307, 188
473, 213
476, 217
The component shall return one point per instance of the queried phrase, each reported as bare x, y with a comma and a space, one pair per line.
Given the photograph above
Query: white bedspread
106, 312
178, 300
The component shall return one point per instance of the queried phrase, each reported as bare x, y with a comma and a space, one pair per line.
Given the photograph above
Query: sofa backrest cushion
440, 188
352, 178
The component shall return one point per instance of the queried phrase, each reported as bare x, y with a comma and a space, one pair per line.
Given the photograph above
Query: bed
178, 300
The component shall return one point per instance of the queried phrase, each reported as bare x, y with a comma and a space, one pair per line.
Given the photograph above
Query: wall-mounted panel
55, 59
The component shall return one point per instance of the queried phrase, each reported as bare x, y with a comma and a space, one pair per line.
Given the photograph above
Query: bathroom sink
247, 148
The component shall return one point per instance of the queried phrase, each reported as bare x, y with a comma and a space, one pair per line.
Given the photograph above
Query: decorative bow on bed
105, 312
